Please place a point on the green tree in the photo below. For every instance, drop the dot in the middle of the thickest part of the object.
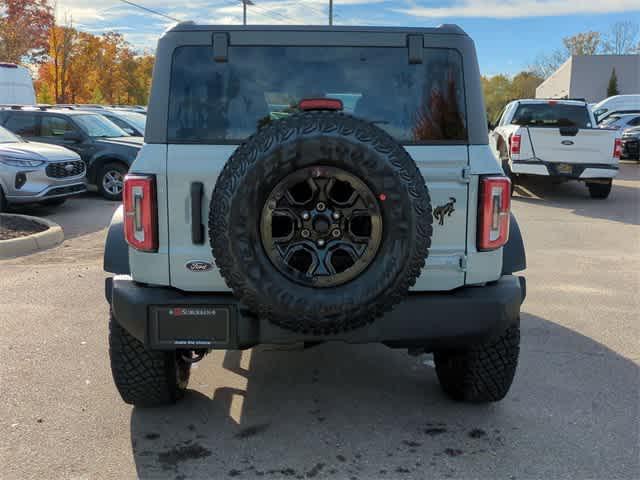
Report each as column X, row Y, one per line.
column 500, row 90
column 612, row 88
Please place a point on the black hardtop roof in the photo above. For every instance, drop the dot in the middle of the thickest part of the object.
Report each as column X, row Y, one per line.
column 190, row 26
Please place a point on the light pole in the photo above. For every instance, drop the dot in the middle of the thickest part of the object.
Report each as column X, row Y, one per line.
column 244, row 10
column 330, row 12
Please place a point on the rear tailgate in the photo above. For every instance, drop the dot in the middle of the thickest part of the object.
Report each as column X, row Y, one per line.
column 571, row 145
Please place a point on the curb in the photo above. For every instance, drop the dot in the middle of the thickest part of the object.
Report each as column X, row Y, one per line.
column 17, row 247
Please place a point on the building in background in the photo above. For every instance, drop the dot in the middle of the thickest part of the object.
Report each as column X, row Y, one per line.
column 587, row 76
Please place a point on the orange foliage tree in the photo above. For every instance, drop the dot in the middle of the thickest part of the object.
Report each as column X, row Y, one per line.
column 24, row 28
column 86, row 68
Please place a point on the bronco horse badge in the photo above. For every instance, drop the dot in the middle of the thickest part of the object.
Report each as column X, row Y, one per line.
column 444, row 210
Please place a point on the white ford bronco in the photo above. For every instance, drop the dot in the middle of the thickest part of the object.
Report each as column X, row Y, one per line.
column 314, row 184
column 557, row 139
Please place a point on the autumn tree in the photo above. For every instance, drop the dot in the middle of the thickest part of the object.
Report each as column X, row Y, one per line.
column 24, row 30
column 500, row 90
column 87, row 68
column 587, row 43
column 622, row 38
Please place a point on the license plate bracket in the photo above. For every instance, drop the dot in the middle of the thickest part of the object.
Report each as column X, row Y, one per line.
column 193, row 326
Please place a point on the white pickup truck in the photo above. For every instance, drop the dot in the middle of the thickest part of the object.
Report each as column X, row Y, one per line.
column 559, row 139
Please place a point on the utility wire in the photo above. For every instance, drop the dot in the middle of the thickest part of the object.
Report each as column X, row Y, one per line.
column 313, row 9
column 150, row 10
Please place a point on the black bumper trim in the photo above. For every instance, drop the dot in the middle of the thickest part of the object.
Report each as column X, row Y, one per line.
column 434, row 320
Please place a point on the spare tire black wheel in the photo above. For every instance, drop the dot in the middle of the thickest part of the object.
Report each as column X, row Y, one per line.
column 320, row 222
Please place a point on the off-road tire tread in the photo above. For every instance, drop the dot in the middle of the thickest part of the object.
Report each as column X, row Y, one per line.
column 143, row 377
column 359, row 313
column 483, row 373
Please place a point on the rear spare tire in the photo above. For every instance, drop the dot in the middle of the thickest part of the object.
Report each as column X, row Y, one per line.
column 320, row 222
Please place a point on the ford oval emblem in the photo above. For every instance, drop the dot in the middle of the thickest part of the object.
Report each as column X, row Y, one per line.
column 199, row 266
column 567, row 142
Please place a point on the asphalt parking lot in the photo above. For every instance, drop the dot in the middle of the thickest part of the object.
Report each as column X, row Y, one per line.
column 337, row 411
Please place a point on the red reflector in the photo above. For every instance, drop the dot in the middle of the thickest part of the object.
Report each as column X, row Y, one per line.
column 494, row 206
column 617, row 148
column 553, row 102
column 514, row 144
column 320, row 104
column 140, row 215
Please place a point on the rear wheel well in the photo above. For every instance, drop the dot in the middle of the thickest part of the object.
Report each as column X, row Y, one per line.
column 96, row 167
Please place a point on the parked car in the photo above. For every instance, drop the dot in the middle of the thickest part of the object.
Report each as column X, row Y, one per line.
column 616, row 104
column 33, row 172
column 631, row 144
column 106, row 149
column 16, row 85
column 130, row 121
column 557, row 139
column 621, row 121
column 321, row 220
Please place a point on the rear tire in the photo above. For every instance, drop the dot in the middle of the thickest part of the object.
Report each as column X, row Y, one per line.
column 3, row 201
column 145, row 378
column 484, row 373
column 600, row 190
column 111, row 180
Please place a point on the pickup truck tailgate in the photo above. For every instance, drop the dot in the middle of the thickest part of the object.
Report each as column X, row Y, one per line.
column 583, row 146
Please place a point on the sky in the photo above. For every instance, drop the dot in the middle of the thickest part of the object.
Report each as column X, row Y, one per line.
column 509, row 34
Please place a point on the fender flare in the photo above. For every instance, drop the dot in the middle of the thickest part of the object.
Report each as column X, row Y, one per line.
column 116, row 249
column 513, row 256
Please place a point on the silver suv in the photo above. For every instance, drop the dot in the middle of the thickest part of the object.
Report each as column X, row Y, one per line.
column 312, row 184
column 33, row 172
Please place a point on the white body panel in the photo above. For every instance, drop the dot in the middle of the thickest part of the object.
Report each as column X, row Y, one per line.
column 452, row 262
column 16, row 86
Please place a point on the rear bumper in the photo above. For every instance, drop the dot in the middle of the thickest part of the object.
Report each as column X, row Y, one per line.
column 555, row 169
column 433, row 320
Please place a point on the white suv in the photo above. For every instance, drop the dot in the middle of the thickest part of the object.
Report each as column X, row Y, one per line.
column 312, row 184
column 33, row 172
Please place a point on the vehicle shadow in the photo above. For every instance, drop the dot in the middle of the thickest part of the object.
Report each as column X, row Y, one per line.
column 623, row 204
column 367, row 412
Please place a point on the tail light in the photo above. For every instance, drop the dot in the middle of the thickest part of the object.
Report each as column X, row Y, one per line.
column 493, row 214
column 140, row 212
column 617, row 148
column 514, row 144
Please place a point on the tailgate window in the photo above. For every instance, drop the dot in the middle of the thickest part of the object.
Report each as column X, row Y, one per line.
column 552, row 115
column 226, row 102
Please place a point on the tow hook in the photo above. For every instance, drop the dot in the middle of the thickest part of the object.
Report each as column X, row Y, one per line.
column 193, row 356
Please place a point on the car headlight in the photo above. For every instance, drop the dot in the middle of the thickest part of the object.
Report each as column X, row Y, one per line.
column 20, row 162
